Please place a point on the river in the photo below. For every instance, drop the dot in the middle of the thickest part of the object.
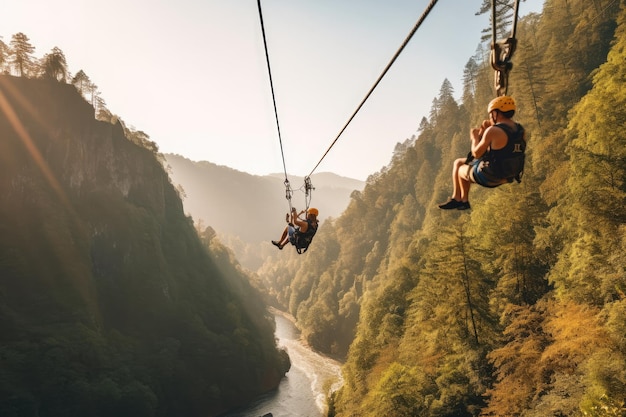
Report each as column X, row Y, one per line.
column 302, row 392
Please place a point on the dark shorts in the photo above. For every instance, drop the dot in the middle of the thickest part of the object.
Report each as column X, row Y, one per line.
column 292, row 232
column 483, row 178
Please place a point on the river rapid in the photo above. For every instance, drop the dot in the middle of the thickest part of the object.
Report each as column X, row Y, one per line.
column 302, row 392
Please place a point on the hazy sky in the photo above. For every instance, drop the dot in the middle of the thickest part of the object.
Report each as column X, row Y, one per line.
column 192, row 73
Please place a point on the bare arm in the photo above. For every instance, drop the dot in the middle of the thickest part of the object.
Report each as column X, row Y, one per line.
column 296, row 220
column 481, row 139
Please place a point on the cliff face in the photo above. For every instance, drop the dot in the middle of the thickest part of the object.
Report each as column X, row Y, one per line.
column 109, row 302
column 49, row 125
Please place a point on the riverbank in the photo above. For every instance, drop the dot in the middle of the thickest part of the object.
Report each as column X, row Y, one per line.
column 303, row 391
column 323, row 370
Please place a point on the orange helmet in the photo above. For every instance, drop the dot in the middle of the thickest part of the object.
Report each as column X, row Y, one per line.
column 502, row 103
column 314, row 211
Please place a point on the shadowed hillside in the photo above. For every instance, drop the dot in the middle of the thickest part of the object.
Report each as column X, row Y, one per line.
column 110, row 303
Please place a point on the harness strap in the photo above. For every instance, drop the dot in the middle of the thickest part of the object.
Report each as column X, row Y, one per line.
column 515, row 138
column 305, row 237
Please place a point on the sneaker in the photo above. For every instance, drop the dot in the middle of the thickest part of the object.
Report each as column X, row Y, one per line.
column 277, row 244
column 464, row 205
column 450, row 204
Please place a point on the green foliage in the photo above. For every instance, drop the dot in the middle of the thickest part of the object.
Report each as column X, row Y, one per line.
column 396, row 394
column 110, row 302
column 517, row 307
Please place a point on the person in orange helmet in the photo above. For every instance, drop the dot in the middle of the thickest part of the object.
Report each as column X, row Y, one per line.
column 299, row 232
column 497, row 154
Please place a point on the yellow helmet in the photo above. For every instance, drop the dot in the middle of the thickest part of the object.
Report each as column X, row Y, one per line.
column 314, row 211
column 502, row 103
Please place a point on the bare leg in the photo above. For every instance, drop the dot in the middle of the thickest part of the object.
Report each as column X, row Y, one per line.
column 457, row 180
column 464, row 182
column 460, row 186
column 283, row 239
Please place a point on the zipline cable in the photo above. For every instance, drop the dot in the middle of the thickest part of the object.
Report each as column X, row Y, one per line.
column 406, row 41
column 288, row 190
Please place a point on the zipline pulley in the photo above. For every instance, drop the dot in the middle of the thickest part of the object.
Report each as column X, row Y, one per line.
column 308, row 188
column 502, row 52
column 501, row 55
column 288, row 192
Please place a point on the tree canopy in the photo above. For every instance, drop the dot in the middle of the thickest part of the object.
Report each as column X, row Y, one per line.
column 510, row 309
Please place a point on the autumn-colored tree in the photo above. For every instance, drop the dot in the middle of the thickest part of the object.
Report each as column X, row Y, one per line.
column 518, row 376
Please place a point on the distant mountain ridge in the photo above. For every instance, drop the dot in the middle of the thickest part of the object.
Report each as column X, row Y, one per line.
column 253, row 207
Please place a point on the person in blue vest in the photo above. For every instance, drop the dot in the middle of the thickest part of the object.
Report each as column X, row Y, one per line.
column 299, row 232
column 497, row 154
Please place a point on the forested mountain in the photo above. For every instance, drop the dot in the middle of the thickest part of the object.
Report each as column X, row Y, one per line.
column 111, row 304
column 517, row 307
column 247, row 211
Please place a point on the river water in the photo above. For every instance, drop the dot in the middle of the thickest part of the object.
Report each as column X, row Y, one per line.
column 302, row 392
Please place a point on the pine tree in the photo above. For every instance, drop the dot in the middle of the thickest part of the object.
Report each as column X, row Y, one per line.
column 4, row 55
column 21, row 53
column 596, row 187
column 55, row 65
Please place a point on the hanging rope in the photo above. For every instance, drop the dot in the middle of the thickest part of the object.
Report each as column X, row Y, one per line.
column 288, row 190
column 406, row 41
column 502, row 52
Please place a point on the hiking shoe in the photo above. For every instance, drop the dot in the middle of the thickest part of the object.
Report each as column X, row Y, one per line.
column 464, row 205
column 450, row 204
column 277, row 244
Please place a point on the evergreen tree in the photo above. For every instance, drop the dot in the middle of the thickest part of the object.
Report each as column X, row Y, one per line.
column 4, row 55
column 516, row 363
column 82, row 82
column 21, row 53
column 55, row 66
column 596, row 187
column 483, row 312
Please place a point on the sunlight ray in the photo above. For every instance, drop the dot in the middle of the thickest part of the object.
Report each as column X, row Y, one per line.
column 29, row 144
